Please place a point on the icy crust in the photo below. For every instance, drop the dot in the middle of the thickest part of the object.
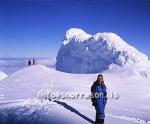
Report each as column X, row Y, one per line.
column 81, row 52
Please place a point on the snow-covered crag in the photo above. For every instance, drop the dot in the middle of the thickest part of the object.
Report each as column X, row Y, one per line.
column 81, row 52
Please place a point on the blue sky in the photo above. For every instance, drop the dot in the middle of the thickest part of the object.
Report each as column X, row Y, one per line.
column 35, row 28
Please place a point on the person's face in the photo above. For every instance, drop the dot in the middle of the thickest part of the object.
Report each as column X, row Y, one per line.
column 100, row 79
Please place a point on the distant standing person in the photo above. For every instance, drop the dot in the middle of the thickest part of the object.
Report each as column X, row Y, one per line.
column 29, row 63
column 33, row 61
column 99, row 98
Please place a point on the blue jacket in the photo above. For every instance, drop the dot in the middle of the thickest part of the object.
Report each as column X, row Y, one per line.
column 100, row 101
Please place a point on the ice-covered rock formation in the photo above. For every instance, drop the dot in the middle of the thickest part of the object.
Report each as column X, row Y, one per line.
column 81, row 52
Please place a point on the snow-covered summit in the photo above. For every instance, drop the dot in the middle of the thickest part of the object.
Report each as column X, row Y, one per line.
column 76, row 35
column 81, row 52
column 2, row 75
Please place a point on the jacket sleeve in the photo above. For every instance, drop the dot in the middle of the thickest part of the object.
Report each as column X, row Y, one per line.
column 93, row 91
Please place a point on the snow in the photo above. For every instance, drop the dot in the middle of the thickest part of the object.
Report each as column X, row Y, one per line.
column 37, row 112
column 2, row 75
column 20, row 101
column 33, row 111
column 25, row 79
column 138, row 70
column 76, row 35
column 81, row 52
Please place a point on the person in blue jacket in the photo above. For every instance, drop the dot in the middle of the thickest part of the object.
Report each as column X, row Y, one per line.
column 99, row 98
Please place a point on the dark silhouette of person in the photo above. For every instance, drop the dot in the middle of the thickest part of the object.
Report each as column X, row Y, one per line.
column 29, row 63
column 99, row 98
column 33, row 61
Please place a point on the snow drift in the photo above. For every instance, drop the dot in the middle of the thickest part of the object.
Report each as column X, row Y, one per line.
column 81, row 52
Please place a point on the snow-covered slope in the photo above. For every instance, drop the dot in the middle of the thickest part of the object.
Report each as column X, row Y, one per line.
column 84, row 53
column 18, row 83
column 132, row 106
column 2, row 75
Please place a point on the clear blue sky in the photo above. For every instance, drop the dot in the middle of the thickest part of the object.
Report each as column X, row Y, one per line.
column 35, row 28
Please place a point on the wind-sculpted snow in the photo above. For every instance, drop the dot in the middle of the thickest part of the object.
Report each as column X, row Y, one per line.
column 81, row 52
